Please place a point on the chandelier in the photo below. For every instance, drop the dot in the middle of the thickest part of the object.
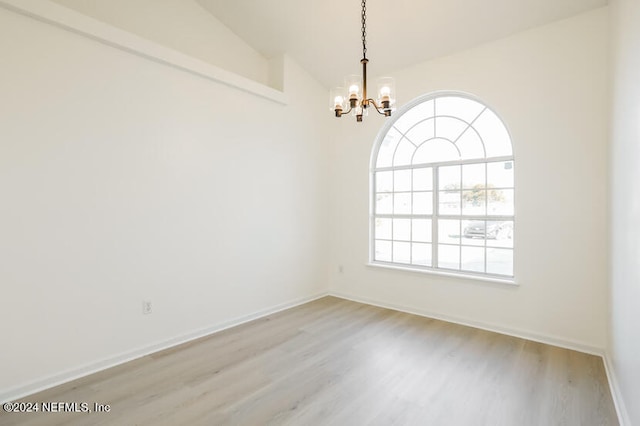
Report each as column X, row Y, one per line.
column 355, row 97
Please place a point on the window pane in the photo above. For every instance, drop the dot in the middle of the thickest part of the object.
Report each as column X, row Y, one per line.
column 383, row 229
column 414, row 115
column 404, row 153
column 402, row 203
column 421, row 254
column 401, row 252
column 421, row 132
column 466, row 109
column 402, row 229
column 500, row 261
column 435, row 150
column 448, row 257
column 422, row 202
column 383, row 251
column 473, row 202
column 449, row 202
column 473, row 259
column 494, row 134
column 384, row 181
column 500, row 175
column 449, row 231
column 423, row 179
column 402, row 180
column 473, row 176
column 501, row 235
column 473, row 232
column 470, row 145
column 384, row 203
column 421, row 230
column 500, row 202
column 450, row 128
column 449, row 177
column 387, row 148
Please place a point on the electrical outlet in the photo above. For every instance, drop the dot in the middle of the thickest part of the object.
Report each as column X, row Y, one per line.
column 146, row 307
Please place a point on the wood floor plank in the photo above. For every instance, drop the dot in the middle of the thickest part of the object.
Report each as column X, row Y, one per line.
column 337, row 362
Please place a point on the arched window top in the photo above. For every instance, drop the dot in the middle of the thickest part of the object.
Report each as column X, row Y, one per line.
column 441, row 128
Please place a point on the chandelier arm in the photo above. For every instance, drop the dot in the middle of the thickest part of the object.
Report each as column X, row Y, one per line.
column 375, row 105
column 346, row 112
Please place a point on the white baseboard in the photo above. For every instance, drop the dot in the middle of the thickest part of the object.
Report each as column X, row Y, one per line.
column 496, row 328
column 21, row 391
column 618, row 401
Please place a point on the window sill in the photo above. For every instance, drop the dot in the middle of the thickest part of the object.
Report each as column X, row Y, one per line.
column 507, row 281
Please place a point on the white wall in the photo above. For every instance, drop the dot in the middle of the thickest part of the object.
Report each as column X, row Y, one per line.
column 624, row 349
column 183, row 25
column 122, row 179
column 550, row 86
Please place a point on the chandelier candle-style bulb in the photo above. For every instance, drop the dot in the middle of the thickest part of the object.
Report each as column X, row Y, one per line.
column 358, row 112
column 386, row 94
column 336, row 101
column 354, row 84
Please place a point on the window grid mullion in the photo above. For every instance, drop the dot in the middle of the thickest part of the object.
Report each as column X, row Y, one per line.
column 486, row 212
column 393, row 210
column 460, row 220
column 434, row 221
column 374, row 209
column 411, row 221
column 447, row 163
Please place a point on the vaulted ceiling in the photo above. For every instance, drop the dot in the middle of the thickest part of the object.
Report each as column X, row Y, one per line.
column 324, row 35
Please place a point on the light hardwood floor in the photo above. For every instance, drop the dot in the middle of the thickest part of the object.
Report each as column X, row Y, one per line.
column 337, row 362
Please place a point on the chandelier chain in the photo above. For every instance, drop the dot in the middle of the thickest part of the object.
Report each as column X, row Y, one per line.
column 364, row 29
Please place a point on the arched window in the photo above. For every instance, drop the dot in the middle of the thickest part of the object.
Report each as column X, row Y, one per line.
column 442, row 179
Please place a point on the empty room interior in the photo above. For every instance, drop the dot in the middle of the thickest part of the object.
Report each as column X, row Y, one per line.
column 306, row 213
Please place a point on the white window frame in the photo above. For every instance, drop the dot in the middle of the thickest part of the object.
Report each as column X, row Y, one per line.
column 435, row 216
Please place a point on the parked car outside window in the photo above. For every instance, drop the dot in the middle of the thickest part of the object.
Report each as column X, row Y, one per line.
column 493, row 230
